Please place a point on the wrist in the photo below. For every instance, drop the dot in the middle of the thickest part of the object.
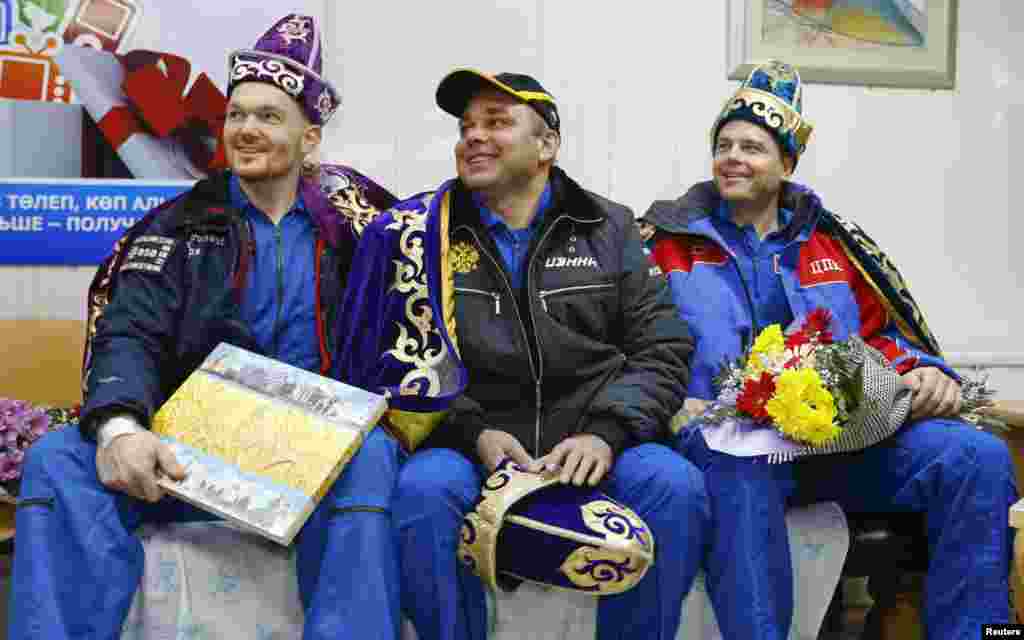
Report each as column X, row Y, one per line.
column 116, row 427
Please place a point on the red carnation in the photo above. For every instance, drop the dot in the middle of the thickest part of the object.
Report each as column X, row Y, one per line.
column 818, row 325
column 797, row 339
column 755, row 394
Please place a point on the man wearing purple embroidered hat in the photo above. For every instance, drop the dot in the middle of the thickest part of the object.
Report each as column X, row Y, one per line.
column 257, row 257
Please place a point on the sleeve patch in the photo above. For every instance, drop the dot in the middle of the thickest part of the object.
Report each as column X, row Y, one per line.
column 148, row 253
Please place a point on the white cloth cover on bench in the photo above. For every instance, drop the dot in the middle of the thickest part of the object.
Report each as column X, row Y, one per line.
column 210, row 581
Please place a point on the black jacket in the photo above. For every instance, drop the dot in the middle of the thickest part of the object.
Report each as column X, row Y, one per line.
column 594, row 345
column 179, row 280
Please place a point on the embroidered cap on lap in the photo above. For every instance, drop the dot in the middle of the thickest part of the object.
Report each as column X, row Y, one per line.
column 531, row 527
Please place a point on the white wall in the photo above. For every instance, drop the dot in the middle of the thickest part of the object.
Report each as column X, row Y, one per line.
column 928, row 174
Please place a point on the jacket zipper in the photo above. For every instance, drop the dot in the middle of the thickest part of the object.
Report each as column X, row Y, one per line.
column 536, row 334
column 544, row 295
column 522, row 327
column 481, row 292
column 755, row 325
column 280, row 287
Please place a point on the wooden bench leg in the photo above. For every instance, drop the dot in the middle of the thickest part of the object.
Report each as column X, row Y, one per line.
column 897, row 611
column 1017, row 576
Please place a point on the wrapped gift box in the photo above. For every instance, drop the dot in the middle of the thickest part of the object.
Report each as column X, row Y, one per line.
column 29, row 74
column 102, row 24
column 139, row 101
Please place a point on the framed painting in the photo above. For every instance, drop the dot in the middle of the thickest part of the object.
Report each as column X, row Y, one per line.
column 889, row 43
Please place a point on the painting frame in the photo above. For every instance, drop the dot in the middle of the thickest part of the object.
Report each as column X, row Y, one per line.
column 929, row 67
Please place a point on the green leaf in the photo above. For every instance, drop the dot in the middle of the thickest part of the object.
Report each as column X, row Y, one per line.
column 31, row 14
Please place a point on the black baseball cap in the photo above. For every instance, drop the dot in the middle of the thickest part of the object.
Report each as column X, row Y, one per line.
column 456, row 89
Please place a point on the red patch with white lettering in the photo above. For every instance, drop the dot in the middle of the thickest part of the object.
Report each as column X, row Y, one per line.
column 707, row 252
column 681, row 253
column 822, row 261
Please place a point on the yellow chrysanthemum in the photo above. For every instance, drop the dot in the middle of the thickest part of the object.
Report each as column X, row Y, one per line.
column 768, row 347
column 802, row 408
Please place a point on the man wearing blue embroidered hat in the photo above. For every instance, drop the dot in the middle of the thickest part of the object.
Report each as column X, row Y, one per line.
column 752, row 248
column 575, row 359
column 258, row 257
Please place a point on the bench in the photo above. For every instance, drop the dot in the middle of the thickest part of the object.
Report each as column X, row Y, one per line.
column 42, row 364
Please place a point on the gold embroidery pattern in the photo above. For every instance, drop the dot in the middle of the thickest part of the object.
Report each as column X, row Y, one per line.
column 464, row 257
column 419, row 341
column 348, row 199
column 602, row 570
column 610, row 563
column 774, row 111
column 616, row 523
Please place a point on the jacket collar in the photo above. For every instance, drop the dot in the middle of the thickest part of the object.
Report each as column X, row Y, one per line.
column 208, row 206
column 691, row 213
column 567, row 197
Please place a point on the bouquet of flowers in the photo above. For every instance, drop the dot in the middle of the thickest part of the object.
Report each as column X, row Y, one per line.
column 21, row 424
column 819, row 394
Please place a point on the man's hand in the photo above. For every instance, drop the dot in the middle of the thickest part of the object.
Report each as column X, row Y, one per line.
column 694, row 407
column 935, row 393
column 493, row 446
column 131, row 464
column 583, row 458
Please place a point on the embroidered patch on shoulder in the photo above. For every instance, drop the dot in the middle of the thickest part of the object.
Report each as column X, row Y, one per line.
column 148, row 253
column 463, row 257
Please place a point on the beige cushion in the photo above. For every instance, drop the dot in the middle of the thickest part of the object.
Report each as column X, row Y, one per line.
column 41, row 360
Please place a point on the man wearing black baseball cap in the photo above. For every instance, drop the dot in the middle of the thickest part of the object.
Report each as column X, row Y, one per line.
column 455, row 91
column 572, row 358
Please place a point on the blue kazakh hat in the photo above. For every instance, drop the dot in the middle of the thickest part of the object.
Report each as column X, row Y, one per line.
column 772, row 97
column 531, row 527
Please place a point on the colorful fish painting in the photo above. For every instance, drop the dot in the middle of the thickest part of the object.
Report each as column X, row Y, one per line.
column 846, row 23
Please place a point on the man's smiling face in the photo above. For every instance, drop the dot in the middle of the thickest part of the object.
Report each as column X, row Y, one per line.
column 748, row 165
column 501, row 142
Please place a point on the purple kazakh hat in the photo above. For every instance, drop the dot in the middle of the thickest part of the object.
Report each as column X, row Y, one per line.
column 288, row 56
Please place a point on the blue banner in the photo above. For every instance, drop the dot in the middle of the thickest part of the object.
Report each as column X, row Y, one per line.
column 73, row 222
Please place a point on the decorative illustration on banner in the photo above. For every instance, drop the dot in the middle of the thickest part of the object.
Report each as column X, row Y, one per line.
column 44, row 16
column 139, row 100
column 32, row 74
column 6, row 20
column 120, row 112
column 102, row 24
column 28, row 44
column 161, row 125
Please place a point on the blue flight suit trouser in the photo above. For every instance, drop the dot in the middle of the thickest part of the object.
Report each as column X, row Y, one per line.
column 78, row 563
column 445, row 601
column 961, row 478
